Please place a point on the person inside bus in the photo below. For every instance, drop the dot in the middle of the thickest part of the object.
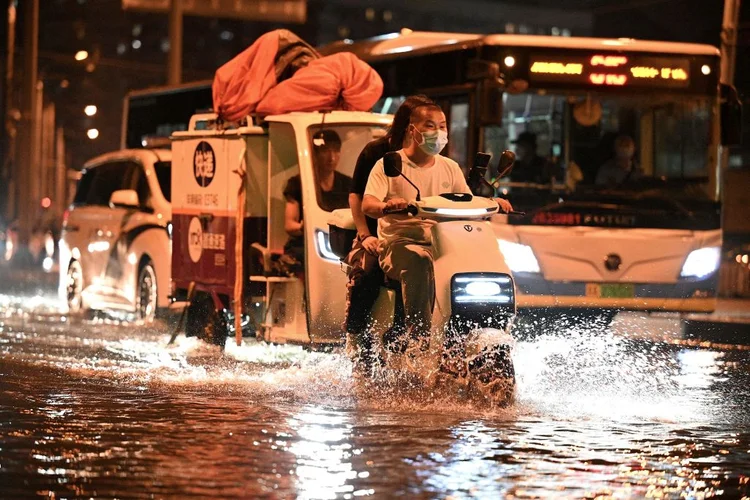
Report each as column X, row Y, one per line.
column 622, row 167
column 404, row 244
column 332, row 192
column 365, row 274
column 530, row 166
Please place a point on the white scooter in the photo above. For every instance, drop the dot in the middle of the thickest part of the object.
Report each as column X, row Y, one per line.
column 475, row 294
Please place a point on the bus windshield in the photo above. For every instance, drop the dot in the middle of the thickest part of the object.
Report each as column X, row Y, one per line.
column 582, row 154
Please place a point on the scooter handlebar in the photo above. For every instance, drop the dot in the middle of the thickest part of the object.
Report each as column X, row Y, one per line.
column 409, row 210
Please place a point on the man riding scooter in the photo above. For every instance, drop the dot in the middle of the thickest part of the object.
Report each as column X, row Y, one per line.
column 404, row 245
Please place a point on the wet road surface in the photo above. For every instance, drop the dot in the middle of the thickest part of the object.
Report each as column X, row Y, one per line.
column 106, row 410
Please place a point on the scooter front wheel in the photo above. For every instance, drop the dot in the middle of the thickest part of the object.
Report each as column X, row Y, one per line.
column 491, row 375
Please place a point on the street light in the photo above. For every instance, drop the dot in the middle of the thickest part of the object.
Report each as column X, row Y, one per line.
column 81, row 55
column 90, row 110
column 92, row 133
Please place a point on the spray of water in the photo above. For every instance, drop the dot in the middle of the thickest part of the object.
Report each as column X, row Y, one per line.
column 569, row 373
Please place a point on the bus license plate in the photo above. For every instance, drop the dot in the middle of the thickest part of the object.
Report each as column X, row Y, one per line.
column 610, row 290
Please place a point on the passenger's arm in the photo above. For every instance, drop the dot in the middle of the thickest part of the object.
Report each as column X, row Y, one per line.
column 292, row 222
column 355, row 204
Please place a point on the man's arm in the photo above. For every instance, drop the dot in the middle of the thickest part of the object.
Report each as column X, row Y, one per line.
column 375, row 192
column 372, row 207
column 292, row 221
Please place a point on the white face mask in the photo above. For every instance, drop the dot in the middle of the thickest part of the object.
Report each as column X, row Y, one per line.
column 432, row 142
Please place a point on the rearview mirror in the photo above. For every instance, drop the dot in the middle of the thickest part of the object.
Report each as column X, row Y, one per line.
column 392, row 164
column 392, row 167
column 124, row 198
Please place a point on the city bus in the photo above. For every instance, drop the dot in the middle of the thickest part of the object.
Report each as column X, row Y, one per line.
column 652, row 241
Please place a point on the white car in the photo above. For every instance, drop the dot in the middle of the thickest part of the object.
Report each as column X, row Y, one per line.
column 115, row 248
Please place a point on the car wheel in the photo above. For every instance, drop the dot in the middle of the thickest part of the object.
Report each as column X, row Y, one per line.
column 75, row 289
column 146, row 294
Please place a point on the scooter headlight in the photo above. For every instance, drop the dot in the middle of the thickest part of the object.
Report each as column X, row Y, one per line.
column 323, row 245
column 496, row 289
column 701, row 263
column 520, row 258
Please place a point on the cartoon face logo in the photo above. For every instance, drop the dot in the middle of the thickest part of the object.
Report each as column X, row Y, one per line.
column 195, row 239
column 204, row 164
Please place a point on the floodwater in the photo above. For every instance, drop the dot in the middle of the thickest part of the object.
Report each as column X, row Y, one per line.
column 107, row 410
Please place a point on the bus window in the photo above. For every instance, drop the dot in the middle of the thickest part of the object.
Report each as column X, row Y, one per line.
column 458, row 133
column 683, row 133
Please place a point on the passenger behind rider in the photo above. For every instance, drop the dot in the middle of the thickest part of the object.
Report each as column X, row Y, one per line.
column 530, row 166
column 621, row 168
column 332, row 192
column 365, row 275
column 404, row 244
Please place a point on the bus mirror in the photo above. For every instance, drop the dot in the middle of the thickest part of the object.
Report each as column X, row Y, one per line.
column 490, row 105
column 731, row 116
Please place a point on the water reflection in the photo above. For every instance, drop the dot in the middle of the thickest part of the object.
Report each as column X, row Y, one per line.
column 323, row 454
column 104, row 409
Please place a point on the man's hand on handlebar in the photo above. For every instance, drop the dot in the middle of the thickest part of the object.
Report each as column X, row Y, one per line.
column 505, row 205
column 395, row 204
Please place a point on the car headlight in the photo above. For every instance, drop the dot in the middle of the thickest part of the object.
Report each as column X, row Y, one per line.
column 482, row 289
column 701, row 263
column 323, row 245
column 520, row 258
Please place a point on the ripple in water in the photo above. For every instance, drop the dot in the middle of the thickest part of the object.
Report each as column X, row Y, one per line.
column 104, row 409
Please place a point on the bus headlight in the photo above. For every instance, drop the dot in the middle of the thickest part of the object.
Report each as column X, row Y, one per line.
column 323, row 245
column 520, row 258
column 701, row 263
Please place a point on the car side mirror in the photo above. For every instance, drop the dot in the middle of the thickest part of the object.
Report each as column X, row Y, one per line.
column 124, row 198
column 731, row 116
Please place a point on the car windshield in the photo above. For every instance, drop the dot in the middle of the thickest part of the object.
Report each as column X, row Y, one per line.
column 583, row 150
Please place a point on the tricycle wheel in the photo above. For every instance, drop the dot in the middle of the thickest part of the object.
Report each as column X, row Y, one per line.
column 205, row 322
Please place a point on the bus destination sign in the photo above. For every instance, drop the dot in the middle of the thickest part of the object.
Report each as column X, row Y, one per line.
column 612, row 70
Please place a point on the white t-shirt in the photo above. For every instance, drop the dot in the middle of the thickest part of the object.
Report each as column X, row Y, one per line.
column 443, row 176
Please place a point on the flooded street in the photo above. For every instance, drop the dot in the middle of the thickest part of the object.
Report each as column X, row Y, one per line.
column 108, row 410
